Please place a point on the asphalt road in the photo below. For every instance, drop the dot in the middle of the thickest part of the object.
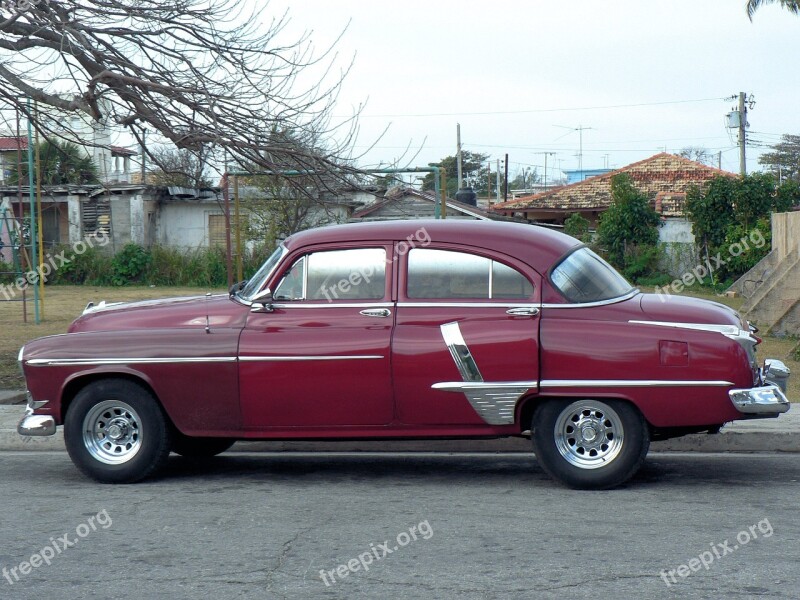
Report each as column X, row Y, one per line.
column 484, row 526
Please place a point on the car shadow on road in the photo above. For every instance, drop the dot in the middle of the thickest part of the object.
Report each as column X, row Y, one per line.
column 406, row 469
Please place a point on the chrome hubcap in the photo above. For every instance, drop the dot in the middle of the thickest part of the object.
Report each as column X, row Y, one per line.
column 112, row 432
column 588, row 434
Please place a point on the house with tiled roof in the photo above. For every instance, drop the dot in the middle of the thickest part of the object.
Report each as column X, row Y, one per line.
column 664, row 178
column 404, row 202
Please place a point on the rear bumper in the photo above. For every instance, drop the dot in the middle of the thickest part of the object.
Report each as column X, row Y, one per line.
column 765, row 400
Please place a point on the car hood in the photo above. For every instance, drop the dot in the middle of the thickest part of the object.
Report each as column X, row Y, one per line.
column 188, row 312
column 681, row 309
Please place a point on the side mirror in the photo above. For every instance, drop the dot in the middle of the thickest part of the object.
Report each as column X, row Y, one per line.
column 262, row 302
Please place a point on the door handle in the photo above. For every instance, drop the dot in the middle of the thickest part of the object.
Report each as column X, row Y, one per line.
column 523, row 311
column 376, row 312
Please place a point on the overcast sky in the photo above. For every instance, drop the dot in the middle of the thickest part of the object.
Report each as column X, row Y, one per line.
column 520, row 76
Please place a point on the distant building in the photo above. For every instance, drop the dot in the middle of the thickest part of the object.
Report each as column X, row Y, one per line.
column 576, row 175
column 663, row 178
column 403, row 202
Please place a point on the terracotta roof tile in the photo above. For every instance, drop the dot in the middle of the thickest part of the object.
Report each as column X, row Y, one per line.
column 12, row 143
column 664, row 175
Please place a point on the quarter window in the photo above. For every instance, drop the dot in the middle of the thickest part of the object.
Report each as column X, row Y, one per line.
column 357, row 274
column 449, row 274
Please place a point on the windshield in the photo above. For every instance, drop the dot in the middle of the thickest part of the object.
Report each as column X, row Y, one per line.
column 257, row 281
column 585, row 277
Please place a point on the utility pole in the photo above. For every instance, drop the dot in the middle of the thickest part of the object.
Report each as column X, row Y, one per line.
column 544, row 178
column 144, row 157
column 460, row 183
column 498, row 180
column 742, row 134
column 505, row 186
column 489, row 183
column 719, row 160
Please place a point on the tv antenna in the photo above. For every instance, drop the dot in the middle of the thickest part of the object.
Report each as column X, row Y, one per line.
column 579, row 129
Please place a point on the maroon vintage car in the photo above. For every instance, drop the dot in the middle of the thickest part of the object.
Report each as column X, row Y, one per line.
column 407, row 329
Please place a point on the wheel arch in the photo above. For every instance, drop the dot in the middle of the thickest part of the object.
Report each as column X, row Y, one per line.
column 527, row 407
column 77, row 383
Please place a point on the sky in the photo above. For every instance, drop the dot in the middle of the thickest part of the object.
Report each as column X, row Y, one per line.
column 521, row 77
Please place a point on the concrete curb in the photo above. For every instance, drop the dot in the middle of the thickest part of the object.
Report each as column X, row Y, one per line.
column 12, row 397
column 768, row 435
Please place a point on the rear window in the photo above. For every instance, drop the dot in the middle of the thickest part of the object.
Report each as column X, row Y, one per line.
column 585, row 277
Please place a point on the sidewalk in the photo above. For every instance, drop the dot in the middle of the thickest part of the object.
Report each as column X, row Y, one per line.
column 763, row 435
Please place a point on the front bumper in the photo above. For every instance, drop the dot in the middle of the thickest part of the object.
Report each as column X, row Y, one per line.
column 33, row 425
column 767, row 398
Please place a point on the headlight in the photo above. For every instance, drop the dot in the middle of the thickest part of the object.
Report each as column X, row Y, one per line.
column 19, row 360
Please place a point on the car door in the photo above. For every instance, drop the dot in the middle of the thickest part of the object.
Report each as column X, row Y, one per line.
column 321, row 357
column 465, row 346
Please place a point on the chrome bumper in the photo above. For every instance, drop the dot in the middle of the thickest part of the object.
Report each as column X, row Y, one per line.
column 765, row 400
column 768, row 397
column 33, row 425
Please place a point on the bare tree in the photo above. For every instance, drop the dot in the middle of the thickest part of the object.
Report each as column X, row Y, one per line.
column 197, row 72
column 697, row 154
column 180, row 167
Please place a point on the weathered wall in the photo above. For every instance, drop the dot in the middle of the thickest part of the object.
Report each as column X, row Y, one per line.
column 677, row 243
column 785, row 233
column 185, row 224
column 773, row 296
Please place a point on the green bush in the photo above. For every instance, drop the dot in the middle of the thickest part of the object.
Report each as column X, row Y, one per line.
column 6, row 272
column 159, row 265
column 130, row 265
column 578, row 227
column 92, row 267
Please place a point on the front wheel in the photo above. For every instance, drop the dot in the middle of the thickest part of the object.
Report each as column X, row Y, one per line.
column 116, row 432
column 589, row 444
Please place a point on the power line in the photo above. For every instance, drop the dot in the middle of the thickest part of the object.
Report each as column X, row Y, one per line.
column 540, row 110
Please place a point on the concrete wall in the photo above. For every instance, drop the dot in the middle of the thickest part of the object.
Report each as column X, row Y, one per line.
column 677, row 241
column 185, row 224
column 773, row 293
column 785, row 233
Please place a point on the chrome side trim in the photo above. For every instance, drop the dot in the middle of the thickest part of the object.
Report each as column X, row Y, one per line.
column 302, row 304
column 729, row 330
column 466, row 305
column 451, row 332
column 628, row 296
column 610, row 383
column 494, row 401
column 305, row 358
column 464, row 386
column 84, row 362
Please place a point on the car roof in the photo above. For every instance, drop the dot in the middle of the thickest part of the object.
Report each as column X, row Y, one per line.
column 537, row 246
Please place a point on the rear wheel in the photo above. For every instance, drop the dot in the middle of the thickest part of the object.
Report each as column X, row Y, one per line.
column 116, row 432
column 199, row 447
column 589, row 444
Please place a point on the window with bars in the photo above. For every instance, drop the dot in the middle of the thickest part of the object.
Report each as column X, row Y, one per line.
column 96, row 217
column 216, row 230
